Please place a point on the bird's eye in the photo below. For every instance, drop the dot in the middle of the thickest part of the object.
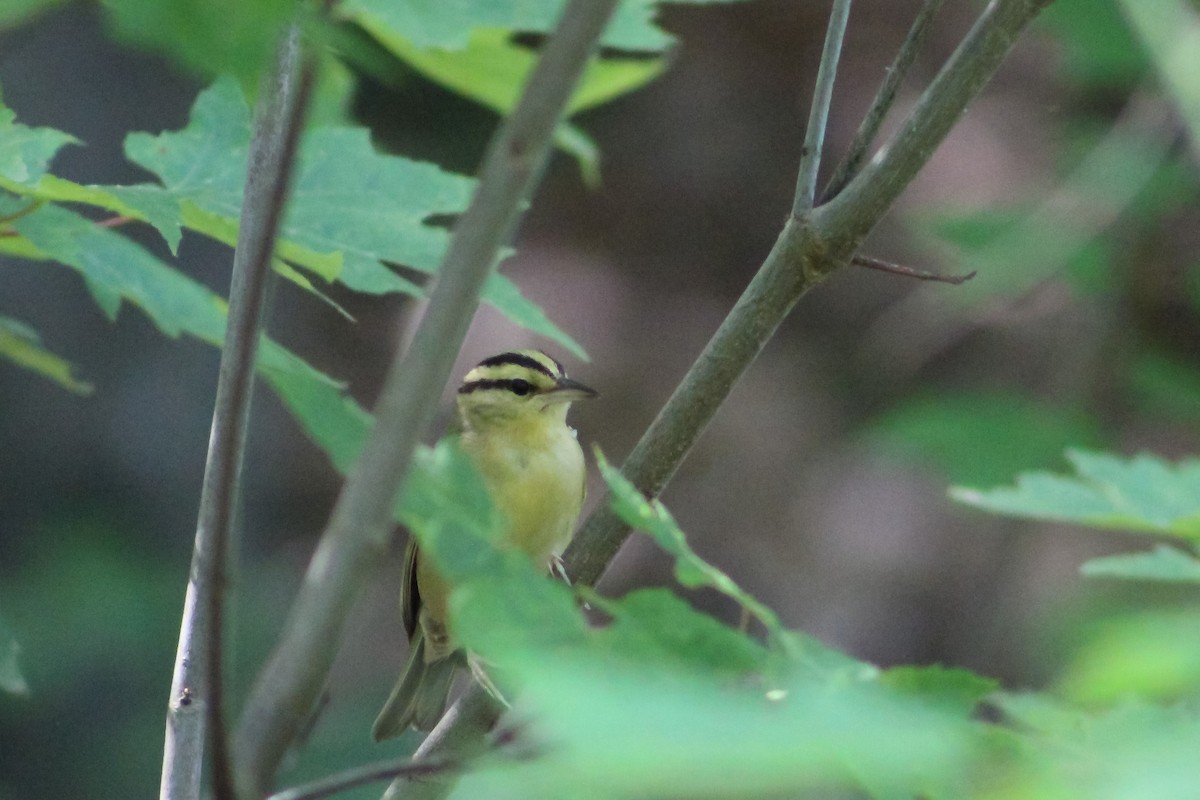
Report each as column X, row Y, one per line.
column 520, row 387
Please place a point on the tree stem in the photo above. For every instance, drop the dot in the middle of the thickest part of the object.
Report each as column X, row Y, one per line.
column 194, row 714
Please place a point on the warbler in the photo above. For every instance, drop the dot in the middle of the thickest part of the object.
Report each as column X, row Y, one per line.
column 512, row 423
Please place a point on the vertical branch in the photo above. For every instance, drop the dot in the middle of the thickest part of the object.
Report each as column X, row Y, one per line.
column 195, row 706
column 361, row 522
column 818, row 115
column 884, row 98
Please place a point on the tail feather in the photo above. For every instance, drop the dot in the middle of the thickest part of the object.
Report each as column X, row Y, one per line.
column 420, row 695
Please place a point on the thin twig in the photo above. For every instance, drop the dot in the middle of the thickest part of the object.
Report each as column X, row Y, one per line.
column 195, row 705
column 884, row 98
column 818, row 114
column 909, row 272
column 115, row 222
column 369, row 773
column 361, row 522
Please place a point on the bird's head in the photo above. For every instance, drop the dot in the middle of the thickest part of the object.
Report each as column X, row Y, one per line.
column 522, row 385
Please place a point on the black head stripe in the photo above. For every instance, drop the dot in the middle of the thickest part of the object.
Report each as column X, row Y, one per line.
column 517, row 386
column 520, row 360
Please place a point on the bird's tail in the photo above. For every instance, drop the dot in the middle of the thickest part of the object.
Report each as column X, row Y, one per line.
column 420, row 696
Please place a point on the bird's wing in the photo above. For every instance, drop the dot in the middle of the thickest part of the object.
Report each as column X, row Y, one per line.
column 410, row 595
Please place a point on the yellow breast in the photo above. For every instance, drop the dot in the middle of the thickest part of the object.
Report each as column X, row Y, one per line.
column 535, row 475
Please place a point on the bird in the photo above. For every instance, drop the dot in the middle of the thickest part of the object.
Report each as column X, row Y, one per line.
column 511, row 422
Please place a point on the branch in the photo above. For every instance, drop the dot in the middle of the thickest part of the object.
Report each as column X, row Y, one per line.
column 195, row 707
column 369, row 773
column 884, row 98
column 818, row 114
column 858, row 207
column 361, row 522
column 908, row 272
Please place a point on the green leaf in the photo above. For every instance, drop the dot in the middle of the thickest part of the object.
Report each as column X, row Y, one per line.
column 207, row 37
column 656, row 629
column 1163, row 563
column 502, row 607
column 1131, row 750
column 1142, row 494
column 506, row 296
column 491, row 70
column 332, row 420
column 1170, row 35
column 449, row 25
column 982, row 437
column 25, row 152
column 653, row 518
column 20, row 344
column 18, row 12
column 351, row 208
column 603, row 731
column 1013, row 250
column 11, row 679
column 1165, row 385
column 1098, row 50
column 1151, row 655
column 957, row 690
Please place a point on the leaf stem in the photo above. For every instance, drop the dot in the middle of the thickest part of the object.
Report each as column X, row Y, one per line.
column 884, row 98
column 818, row 114
column 360, row 526
column 195, row 705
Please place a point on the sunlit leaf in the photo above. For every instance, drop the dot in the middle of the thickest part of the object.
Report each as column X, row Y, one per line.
column 603, row 731
column 20, row 344
column 1163, row 563
column 1152, row 655
column 1143, row 494
column 1131, row 750
column 448, row 25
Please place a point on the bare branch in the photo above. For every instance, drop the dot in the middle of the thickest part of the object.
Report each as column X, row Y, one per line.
column 195, row 706
column 884, row 98
column 818, row 115
column 369, row 773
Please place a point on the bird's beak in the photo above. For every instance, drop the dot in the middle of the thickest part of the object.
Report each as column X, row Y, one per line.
column 568, row 391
